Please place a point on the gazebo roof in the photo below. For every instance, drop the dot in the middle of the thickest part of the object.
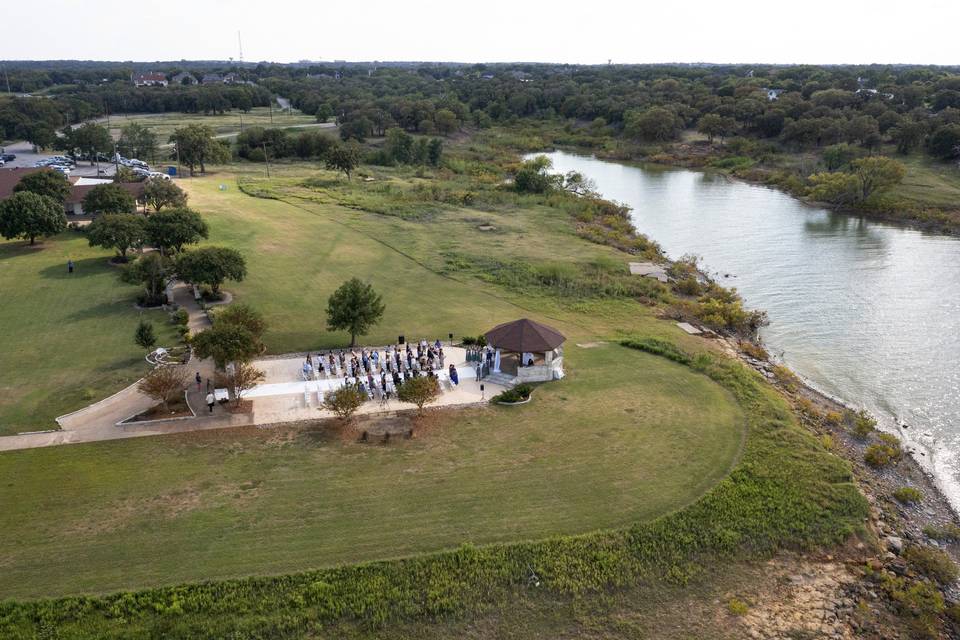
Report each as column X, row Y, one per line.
column 524, row 335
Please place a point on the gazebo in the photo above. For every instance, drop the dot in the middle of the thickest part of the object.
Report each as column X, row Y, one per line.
column 527, row 350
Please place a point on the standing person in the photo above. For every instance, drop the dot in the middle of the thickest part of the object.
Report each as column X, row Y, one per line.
column 69, row 266
column 479, row 371
column 211, row 400
column 199, row 380
column 454, row 377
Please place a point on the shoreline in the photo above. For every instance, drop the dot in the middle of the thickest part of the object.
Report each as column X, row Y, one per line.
column 891, row 518
column 916, row 467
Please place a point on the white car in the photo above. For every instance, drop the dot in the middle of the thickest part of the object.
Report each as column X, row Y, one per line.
column 159, row 175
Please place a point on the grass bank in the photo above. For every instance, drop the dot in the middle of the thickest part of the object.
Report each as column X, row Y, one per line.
column 785, row 491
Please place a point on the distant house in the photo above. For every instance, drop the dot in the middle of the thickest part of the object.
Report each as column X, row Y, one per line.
column 212, row 78
column 522, row 76
column 149, row 79
column 231, row 78
column 772, row 94
column 184, row 78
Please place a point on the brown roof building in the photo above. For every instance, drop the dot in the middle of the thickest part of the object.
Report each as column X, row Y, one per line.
column 74, row 203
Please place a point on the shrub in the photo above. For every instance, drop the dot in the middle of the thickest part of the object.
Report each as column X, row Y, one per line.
column 881, row 455
column 787, row 378
column 180, row 317
column 833, row 418
column 947, row 533
column 518, row 393
column 863, row 424
column 828, row 442
column 753, row 350
column 920, row 603
column 908, row 495
column 933, row 563
column 688, row 287
column 737, row 607
column 343, row 402
column 658, row 347
column 419, row 391
column 144, row 335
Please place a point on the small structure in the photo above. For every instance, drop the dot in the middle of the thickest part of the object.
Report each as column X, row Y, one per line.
column 649, row 270
column 526, row 351
column 149, row 79
column 212, row 78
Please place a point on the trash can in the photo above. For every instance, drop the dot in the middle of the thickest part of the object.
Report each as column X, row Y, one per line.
column 172, row 172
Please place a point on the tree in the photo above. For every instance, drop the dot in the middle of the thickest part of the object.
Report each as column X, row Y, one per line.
column 877, row 173
column 399, row 145
column 343, row 157
column 120, row 231
column 434, row 151
column 150, row 271
column 838, row 156
column 908, row 135
column 225, row 343
column 47, row 182
column 324, row 111
column 90, row 140
column 144, row 335
column 245, row 377
column 419, row 391
column 714, row 125
column 944, row 143
column 354, row 307
column 160, row 193
column 343, row 402
column 446, row 121
column 211, row 266
column 534, row 176
column 195, row 145
column 655, row 124
column 169, row 231
column 838, row 188
column 137, row 141
column 163, row 384
column 31, row 216
column 245, row 316
column 108, row 198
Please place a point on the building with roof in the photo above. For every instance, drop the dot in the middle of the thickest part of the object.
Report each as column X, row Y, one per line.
column 79, row 188
column 525, row 351
column 149, row 79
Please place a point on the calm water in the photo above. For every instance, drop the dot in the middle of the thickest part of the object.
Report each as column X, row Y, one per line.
column 866, row 311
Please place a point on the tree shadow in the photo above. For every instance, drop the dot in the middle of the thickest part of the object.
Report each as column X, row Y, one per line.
column 99, row 311
column 81, row 269
column 16, row 249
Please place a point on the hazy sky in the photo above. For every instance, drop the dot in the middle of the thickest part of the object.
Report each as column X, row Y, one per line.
column 809, row 31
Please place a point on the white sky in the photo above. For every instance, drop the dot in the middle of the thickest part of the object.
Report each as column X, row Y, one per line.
column 800, row 31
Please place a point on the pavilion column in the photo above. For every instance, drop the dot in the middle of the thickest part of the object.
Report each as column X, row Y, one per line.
column 496, row 362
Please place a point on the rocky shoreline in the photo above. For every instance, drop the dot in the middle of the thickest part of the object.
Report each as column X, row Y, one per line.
column 894, row 524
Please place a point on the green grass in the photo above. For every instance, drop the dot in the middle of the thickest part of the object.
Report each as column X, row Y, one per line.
column 225, row 124
column 66, row 341
column 786, row 491
column 611, row 445
column 929, row 183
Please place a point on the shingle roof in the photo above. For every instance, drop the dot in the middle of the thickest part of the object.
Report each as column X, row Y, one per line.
column 524, row 335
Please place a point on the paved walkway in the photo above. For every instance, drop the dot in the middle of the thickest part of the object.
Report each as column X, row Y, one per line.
column 99, row 420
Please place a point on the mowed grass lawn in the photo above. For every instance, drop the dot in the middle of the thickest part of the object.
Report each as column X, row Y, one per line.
column 65, row 341
column 224, row 124
column 627, row 436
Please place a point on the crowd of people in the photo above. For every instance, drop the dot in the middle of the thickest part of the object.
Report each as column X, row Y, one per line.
column 378, row 374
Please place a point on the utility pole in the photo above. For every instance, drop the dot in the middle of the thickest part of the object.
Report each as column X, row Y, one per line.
column 266, row 158
column 7, row 78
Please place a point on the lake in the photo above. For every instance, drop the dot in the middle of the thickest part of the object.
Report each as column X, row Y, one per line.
column 863, row 310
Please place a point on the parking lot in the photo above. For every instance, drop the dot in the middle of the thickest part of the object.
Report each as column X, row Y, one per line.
column 27, row 158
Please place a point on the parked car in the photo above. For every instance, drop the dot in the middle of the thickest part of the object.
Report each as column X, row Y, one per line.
column 8, row 157
column 61, row 168
column 2, row 163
